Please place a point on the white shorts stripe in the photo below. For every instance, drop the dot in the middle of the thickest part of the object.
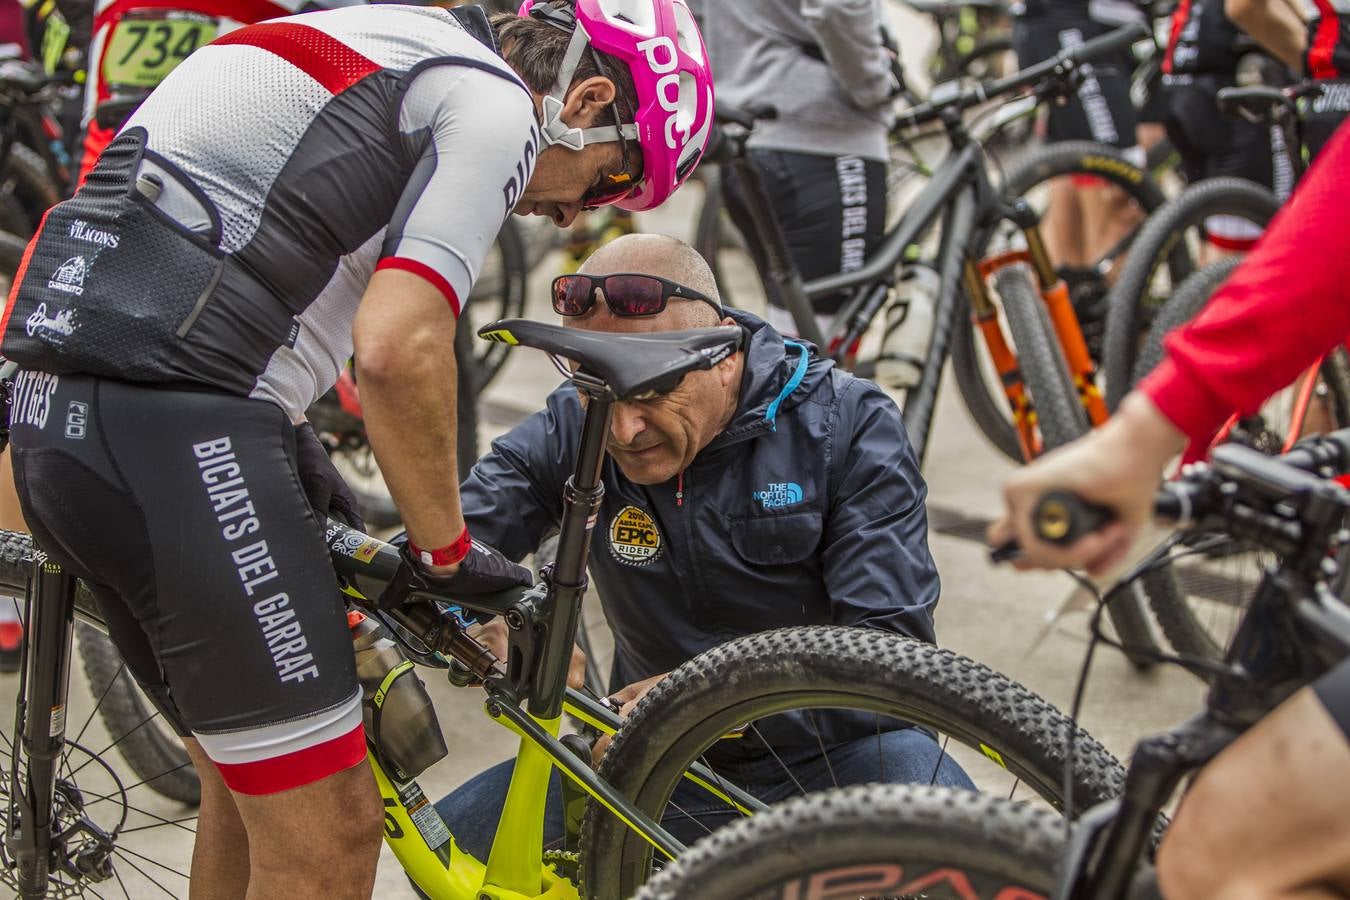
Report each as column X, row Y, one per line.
column 271, row 741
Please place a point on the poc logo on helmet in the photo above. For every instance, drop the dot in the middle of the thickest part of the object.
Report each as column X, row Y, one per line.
column 670, row 80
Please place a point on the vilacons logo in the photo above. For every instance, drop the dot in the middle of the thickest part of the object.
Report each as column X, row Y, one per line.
column 81, row 230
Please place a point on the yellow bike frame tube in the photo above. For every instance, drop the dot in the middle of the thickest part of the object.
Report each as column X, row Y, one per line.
column 523, row 724
column 582, row 708
column 445, row 874
column 518, row 848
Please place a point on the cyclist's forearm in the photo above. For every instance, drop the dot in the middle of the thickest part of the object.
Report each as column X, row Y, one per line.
column 406, row 372
column 1275, row 25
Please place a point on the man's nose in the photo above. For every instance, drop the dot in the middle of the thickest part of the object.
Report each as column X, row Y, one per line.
column 565, row 213
column 627, row 424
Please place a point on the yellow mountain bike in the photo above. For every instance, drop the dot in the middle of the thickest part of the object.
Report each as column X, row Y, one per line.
column 74, row 826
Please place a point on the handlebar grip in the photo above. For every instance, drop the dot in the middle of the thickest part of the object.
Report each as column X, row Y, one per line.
column 1061, row 517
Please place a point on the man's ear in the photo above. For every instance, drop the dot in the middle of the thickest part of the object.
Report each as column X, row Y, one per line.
column 586, row 100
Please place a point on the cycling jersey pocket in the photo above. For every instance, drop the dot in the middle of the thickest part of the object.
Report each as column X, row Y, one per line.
column 111, row 285
column 776, row 540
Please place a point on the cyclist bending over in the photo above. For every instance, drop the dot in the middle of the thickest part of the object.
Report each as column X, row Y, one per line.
column 297, row 189
column 1267, row 818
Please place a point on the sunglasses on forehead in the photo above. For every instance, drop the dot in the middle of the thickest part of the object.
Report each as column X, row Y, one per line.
column 626, row 294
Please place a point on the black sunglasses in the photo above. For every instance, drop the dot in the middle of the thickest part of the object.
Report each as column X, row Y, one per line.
column 626, row 294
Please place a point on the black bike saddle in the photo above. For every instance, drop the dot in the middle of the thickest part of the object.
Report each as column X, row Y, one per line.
column 632, row 365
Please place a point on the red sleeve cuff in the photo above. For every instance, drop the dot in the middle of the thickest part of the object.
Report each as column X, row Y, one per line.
column 425, row 272
column 1186, row 402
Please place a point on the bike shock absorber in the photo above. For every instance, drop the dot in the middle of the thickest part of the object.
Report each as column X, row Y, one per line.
column 1055, row 293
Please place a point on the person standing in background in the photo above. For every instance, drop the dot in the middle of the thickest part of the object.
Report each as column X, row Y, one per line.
column 824, row 67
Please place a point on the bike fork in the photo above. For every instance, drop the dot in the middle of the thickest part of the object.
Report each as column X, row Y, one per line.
column 985, row 316
column 40, row 724
column 1055, row 293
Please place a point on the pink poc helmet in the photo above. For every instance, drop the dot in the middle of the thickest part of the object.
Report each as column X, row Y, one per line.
column 660, row 43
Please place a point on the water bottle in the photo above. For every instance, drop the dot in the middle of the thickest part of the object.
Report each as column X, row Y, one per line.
column 397, row 712
column 909, row 327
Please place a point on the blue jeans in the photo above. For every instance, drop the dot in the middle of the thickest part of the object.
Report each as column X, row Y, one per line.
column 909, row 756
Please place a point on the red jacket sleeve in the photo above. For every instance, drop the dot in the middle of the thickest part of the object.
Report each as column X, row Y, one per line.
column 1286, row 305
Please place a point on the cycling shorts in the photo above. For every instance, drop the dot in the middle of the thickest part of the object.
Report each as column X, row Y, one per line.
column 184, row 512
column 1333, row 689
column 832, row 210
column 1212, row 145
column 1324, row 114
column 1101, row 111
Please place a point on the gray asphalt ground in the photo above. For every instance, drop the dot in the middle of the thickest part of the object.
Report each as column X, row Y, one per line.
column 1024, row 626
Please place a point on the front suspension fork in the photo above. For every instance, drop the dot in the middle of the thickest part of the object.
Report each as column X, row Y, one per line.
column 40, row 724
column 1055, row 293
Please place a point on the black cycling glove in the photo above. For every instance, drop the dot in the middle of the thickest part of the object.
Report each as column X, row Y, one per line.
column 483, row 571
column 327, row 493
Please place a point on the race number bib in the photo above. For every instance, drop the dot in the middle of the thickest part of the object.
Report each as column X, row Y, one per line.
column 146, row 45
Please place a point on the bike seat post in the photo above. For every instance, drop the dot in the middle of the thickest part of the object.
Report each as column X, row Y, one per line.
column 581, row 504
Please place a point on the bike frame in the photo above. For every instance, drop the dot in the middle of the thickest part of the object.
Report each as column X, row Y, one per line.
column 961, row 201
column 1294, row 631
column 542, row 623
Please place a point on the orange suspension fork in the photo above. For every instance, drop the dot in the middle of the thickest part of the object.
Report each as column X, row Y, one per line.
column 985, row 316
column 1055, row 293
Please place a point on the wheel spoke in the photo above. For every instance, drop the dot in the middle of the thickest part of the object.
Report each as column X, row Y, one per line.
column 99, row 702
column 722, row 785
column 784, row 765
column 946, row 738
column 121, row 852
column 162, row 823
column 824, row 754
column 180, row 766
column 119, row 740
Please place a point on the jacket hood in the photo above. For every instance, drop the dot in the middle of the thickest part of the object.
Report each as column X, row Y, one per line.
column 779, row 374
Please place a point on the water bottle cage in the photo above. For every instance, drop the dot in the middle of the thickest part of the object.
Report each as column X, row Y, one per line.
column 377, row 712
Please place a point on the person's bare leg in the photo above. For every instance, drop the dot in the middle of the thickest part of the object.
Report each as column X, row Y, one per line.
column 220, row 854
column 1108, row 215
column 1267, row 818
column 316, row 842
column 1062, row 224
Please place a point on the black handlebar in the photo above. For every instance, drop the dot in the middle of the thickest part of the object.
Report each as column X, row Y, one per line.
column 1062, row 62
column 1234, row 474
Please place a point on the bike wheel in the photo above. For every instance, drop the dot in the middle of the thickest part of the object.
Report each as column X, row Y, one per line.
column 26, row 181
column 1060, row 417
column 1147, row 279
column 1199, row 599
column 874, row 841
column 980, row 717
column 980, row 386
column 148, row 745
column 880, row 841
column 499, row 293
column 112, row 833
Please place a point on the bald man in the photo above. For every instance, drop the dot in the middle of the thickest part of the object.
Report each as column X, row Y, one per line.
column 772, row 490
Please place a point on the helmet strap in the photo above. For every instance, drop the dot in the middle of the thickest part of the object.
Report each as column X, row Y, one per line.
column 554, row 129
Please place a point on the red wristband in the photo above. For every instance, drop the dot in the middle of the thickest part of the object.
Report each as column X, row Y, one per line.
column 444, row 556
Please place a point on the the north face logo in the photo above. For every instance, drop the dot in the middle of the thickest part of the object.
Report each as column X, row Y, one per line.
column 779, row 494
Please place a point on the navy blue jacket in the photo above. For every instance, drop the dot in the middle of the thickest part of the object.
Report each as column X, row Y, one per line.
column 808, row 509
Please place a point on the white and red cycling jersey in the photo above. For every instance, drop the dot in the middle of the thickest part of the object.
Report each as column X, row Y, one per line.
column 348, row 140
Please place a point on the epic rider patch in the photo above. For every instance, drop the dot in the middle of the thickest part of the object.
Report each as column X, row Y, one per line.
column 633, row 537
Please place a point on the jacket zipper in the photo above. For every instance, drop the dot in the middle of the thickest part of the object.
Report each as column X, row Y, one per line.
column 679, row 490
